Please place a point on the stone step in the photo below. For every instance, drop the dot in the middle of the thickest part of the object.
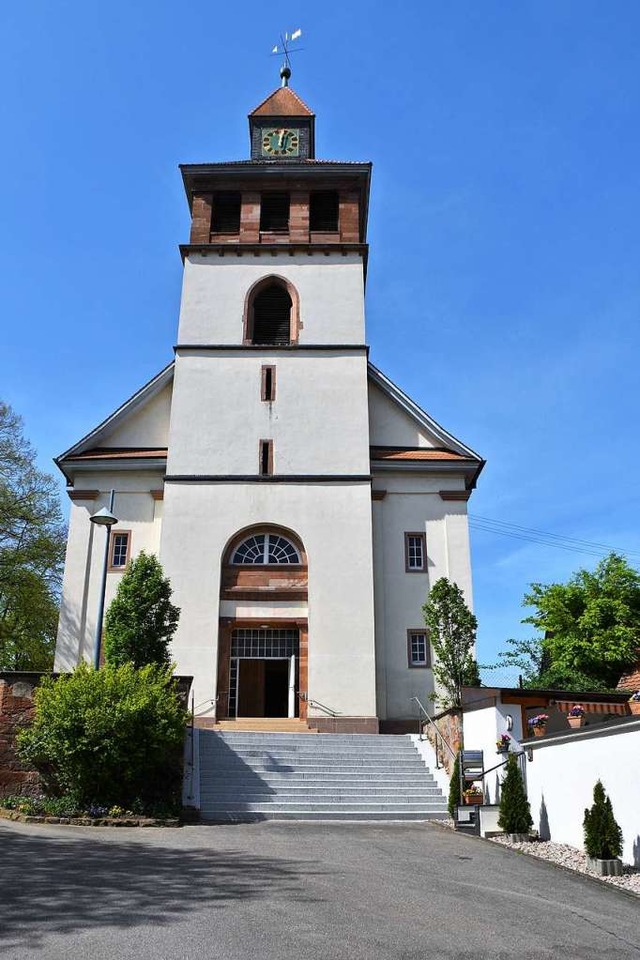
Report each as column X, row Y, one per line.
column 320, row 796
column 326, row 816
column 321, row 807
column 248, row 776
column 295, row 776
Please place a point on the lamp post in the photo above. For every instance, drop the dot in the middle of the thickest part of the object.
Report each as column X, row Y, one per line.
column 103, row 518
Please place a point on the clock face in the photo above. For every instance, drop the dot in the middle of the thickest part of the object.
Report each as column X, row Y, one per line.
column 282, row 142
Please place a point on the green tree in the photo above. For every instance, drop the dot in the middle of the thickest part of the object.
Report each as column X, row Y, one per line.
column 455, row 795
column 452, row 633
column 141, row 620
column 515, row 812
column 32, row 543
column 590, row 626
column 109, row 736
column 602, row 835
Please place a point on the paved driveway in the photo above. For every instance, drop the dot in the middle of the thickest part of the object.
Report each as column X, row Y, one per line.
column 294, row 891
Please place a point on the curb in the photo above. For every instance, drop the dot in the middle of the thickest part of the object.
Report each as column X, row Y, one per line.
column 6, row 814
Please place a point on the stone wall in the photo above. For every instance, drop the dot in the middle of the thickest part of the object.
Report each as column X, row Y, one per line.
column 16, row 711
column 449, row 724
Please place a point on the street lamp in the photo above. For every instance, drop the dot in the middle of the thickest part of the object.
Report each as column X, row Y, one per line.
column 103, row 518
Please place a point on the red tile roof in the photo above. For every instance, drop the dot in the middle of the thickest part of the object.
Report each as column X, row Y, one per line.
column 410, row 453
column 283, row 102
column 121, row 453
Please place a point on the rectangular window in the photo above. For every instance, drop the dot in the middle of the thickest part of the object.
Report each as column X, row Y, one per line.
column 119, row 552
column 415, row 552
column 418, row 651
column 268, row 383
column 323, row 211
column 266, row 458
column 274, row 213
column 225, row 213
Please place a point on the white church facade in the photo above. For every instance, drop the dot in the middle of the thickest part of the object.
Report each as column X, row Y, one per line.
column 299, row 501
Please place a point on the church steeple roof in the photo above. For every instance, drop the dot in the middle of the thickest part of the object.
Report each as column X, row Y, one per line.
column 283, row 102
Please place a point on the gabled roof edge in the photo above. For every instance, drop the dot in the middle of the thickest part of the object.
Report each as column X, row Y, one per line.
column 420, row 416
column 149, row 390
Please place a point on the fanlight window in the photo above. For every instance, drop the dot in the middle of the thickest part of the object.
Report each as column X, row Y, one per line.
column 266, row 548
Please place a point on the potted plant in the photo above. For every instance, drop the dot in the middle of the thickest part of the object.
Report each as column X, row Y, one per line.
column 538, row 724
column 602, row 836
column 472, row 794
column 576, row 716
column 634, row 703
column 515, row 812
column 502, row 745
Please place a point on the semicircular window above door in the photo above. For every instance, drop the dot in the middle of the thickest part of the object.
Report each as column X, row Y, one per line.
column 265, row 548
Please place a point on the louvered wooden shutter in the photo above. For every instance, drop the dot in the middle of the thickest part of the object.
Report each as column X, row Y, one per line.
column 272, row 316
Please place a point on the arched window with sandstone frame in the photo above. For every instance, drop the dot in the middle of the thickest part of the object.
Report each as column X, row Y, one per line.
column 272, row 314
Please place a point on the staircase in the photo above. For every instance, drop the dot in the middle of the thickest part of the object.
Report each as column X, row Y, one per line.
column 247, row 776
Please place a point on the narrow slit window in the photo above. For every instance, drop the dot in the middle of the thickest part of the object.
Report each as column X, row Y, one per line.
column 274, row 213
column 268, row 383
column 120, row 543
column 415, row 552
column 419, row 654
column 324, row 211
column 266, row 458
column 225, row 213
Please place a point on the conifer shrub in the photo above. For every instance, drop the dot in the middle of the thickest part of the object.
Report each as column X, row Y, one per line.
column 602, row 835
column 515, row 812
column 454, row 787
column 141, row 620
column 109, row 736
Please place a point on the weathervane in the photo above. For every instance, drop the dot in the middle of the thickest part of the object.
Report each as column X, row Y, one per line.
column 283, row 47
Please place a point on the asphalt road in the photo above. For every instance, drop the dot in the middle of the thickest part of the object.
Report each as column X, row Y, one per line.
column 283, row 891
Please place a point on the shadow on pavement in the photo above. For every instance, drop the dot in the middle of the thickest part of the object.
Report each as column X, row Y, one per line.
column 51, row 885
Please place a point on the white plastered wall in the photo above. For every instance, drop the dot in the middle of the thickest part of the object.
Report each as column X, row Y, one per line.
column 412, row 504
column 137, row 512
column 391, row 427
column 482, row 728
column 563, row 772
column 201, row 519
column 146, row 427
column 318, row 421
column 330, row 289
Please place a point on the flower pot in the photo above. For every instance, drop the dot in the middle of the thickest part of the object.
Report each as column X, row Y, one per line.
column 634, row 706
column 605, row 868
column 518, row 837
column 503, row 750
column 576, row 722
column 473, row 800
column 539, row 731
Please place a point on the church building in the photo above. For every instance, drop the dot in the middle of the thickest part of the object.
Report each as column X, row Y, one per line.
column 298, row 500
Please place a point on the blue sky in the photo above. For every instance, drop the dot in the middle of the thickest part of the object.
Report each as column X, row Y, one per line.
column 503, row 290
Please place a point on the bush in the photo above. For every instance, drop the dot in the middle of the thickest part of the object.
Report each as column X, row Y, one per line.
column 602, row 835
column 454, row 787
column 112, row 736
column 141, row 620
column 515, row 812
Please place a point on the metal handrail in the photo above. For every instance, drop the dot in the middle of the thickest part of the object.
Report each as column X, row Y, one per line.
column 316, row 703
column 436, row 728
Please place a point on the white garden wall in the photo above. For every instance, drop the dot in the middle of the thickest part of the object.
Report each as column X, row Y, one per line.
column 562, row 773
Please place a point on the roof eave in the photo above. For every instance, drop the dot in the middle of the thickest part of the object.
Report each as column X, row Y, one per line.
column 422, row 418
column 146, row 392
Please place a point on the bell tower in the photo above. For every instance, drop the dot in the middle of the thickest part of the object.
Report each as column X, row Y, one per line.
column 269, row 421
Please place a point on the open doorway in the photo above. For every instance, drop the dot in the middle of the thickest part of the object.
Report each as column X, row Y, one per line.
column 264, row 673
